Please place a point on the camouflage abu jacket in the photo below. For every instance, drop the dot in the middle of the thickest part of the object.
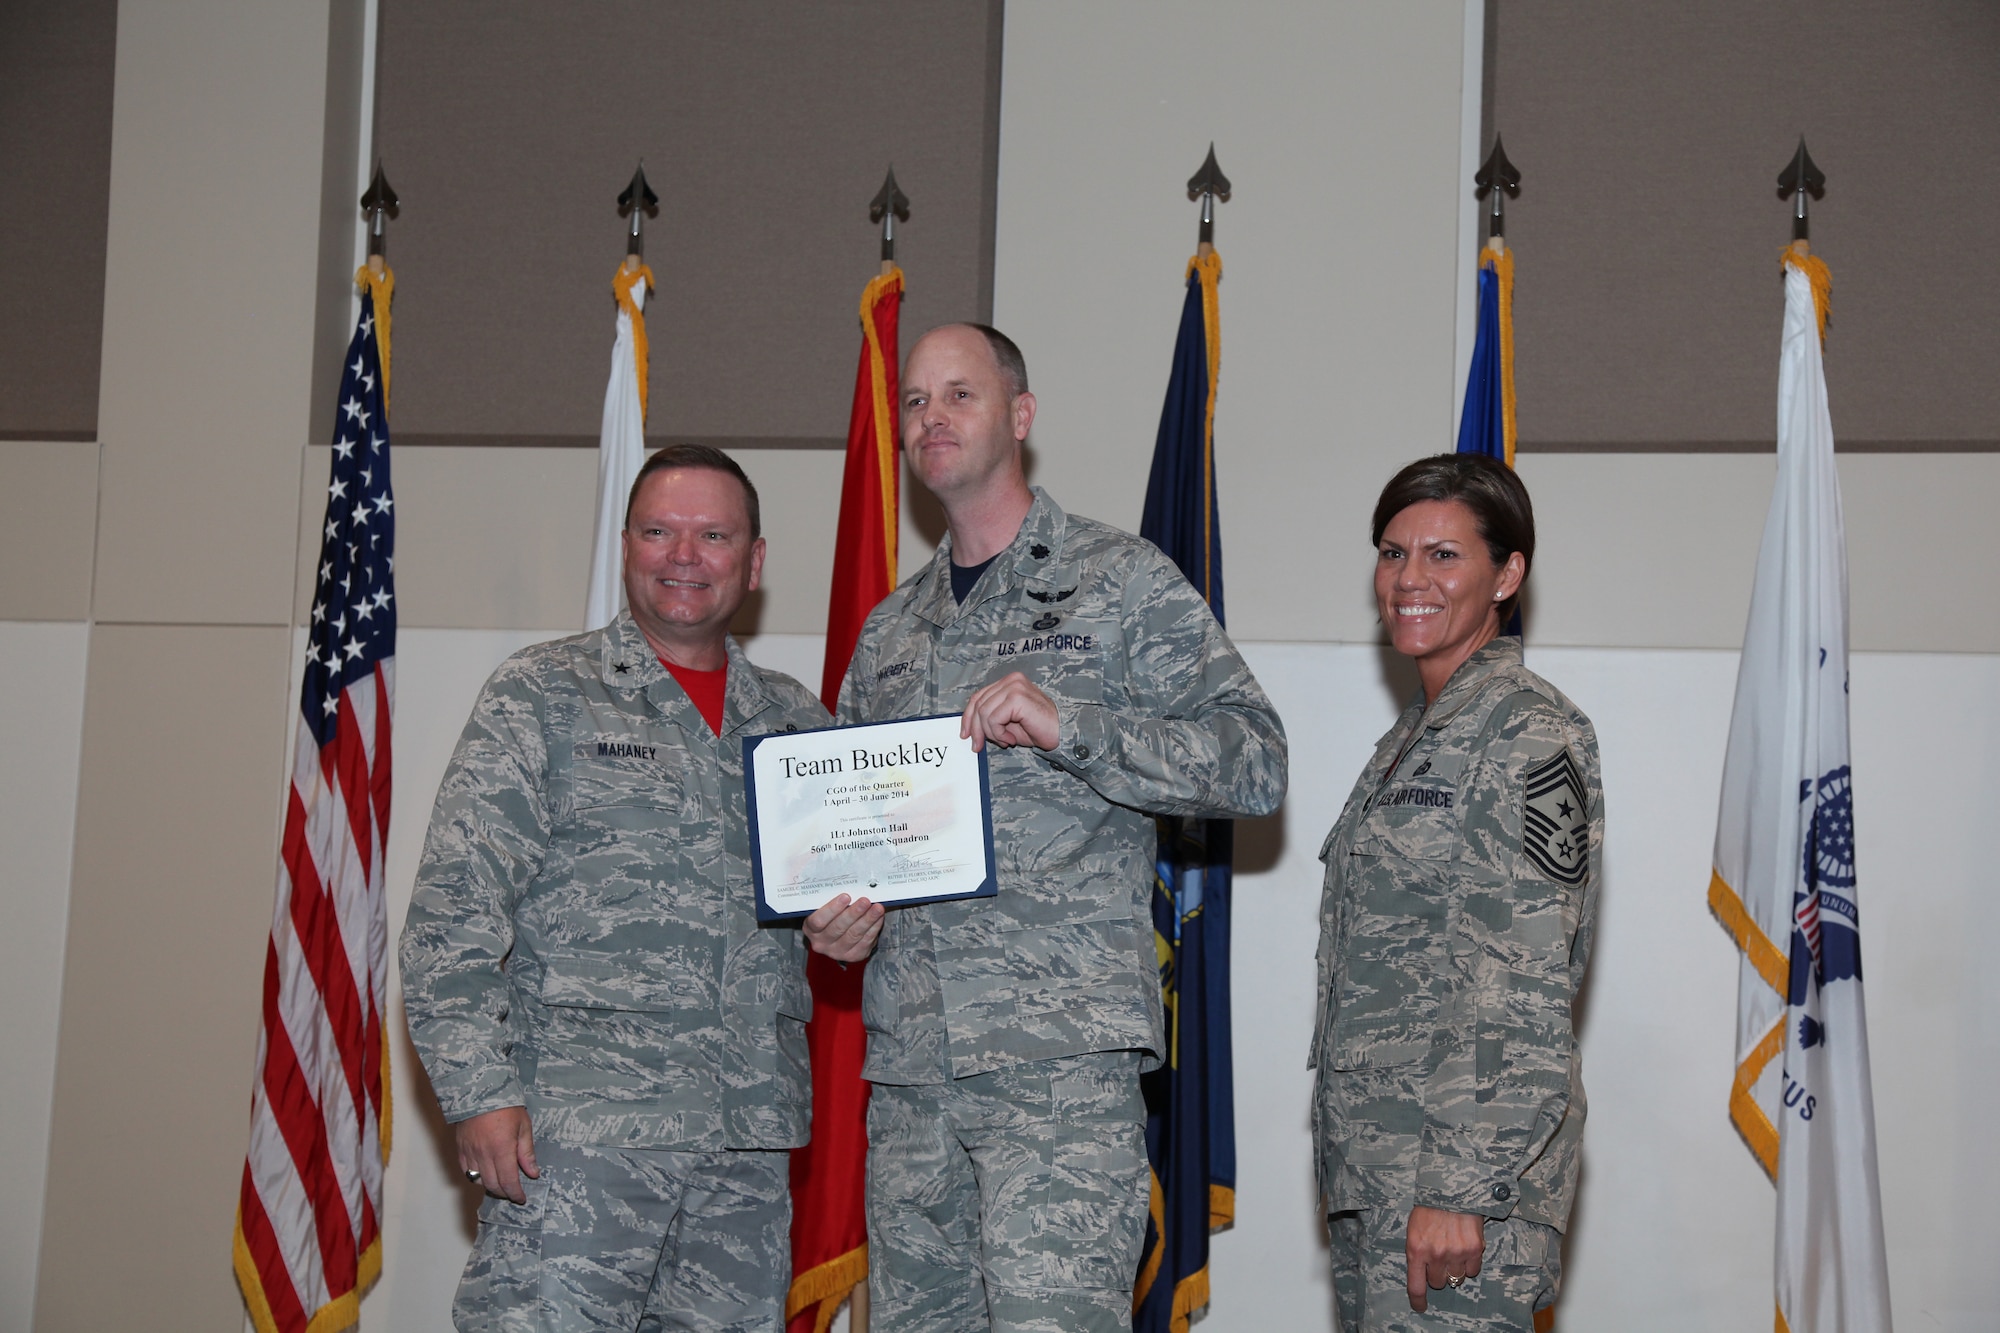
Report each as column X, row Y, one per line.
column 1455, row 926
column 583, row 938
column 1158, row 713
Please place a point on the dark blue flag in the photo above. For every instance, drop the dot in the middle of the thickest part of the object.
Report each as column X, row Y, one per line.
column 1482, row 426
column 1190, row 1099
column 1486, row 426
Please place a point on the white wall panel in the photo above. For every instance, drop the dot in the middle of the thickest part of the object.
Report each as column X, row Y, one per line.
column 1339, row 127
column 41, row 737
column 1673, row 1229
column 1674, row 1225
column 428, row 1209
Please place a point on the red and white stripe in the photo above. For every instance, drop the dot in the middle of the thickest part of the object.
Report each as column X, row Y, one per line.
column 309, row 1222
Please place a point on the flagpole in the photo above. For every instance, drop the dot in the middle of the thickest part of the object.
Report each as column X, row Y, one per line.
column 889, row 206
column 621, row 443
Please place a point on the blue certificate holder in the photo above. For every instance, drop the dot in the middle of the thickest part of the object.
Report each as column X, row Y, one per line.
column 895, row 812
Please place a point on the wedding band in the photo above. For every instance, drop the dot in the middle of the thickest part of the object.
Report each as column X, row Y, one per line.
column 1454, row 1282
column 472, row 1176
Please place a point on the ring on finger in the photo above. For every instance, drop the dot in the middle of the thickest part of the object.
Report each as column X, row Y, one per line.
column 1454, row 1282
column 472, row 1176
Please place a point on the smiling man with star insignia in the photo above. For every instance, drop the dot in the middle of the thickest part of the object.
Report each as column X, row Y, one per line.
column 618, row 1045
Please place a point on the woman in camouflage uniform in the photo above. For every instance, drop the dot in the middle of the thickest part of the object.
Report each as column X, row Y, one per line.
column 1460, row 894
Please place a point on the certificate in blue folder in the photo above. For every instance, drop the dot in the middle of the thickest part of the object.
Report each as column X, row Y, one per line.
column 894, row 812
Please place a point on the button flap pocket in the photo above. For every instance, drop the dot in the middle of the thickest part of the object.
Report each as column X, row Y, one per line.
column 1416, row 829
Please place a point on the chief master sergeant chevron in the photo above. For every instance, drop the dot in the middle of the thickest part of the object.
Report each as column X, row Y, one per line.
column 1007, row 1179
column 619, row 1047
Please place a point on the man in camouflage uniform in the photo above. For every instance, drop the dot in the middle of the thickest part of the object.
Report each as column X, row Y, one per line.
column 1460, row 902
column 1007, row 1180
column 620, row 1048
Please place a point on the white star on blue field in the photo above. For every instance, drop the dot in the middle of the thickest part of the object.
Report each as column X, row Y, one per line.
column 353, row 616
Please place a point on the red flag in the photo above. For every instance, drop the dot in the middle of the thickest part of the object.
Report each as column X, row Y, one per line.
column 829, row 1222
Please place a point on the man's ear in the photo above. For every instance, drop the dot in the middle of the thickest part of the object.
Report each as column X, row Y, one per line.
column 1024, row 415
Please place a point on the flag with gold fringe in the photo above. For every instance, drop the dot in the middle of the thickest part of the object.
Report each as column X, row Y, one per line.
column 1190, row 1099
column 1785, row 882
column 621, row 443
column 829, row 1223
column 309, row 1213
column 1486, row 425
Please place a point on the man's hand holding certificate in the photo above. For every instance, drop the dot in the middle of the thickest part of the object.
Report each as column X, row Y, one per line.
column 896, row 812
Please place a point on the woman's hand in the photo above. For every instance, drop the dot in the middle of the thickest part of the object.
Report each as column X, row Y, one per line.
column 1443, row 1249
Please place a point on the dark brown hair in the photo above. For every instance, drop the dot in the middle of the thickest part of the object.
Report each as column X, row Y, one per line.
column 697, row 456
column 1483, row 484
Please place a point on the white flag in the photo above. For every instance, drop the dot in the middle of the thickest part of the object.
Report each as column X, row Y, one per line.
column 621, row 448
column 1785, row 877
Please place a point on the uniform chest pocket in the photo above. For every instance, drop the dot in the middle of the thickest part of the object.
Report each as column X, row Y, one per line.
column 903, row 692
column 1411, row 824
column 1068, row 656
column 630, row 784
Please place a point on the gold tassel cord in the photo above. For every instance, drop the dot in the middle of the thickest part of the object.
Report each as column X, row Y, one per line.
column 885, row 420
column 382, row 287
column 1209, row 265
column 622, row 283
column 1821, row 278
column 1502, row 264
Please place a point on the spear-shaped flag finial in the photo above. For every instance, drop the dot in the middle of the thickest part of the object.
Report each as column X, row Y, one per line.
column 378, row 203
column 639, row 202
column 1497, row 177
column 1208, row 185
column 1797, row 181
column 889, row 206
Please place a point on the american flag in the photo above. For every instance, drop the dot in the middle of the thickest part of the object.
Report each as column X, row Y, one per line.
column 309, row 1222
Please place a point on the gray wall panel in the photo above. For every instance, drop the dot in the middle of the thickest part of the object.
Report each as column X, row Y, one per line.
column 56, row 66
column 1650, row 137
column 509, row 129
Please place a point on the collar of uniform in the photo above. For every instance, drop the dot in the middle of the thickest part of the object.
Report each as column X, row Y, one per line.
column 1471, row 676
column 625, row 660
column 628, row 662
column 1042, row 530
column 744, row 696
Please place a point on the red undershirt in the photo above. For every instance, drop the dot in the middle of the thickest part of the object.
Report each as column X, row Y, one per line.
column 704, row 690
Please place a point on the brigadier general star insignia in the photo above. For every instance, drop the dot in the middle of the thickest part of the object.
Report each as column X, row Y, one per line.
column 1555, row 824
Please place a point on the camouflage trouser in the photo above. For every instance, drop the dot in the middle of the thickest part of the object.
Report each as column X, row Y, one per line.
column 615, row 1238
column 1014, row 1200
column 1519, row 1273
